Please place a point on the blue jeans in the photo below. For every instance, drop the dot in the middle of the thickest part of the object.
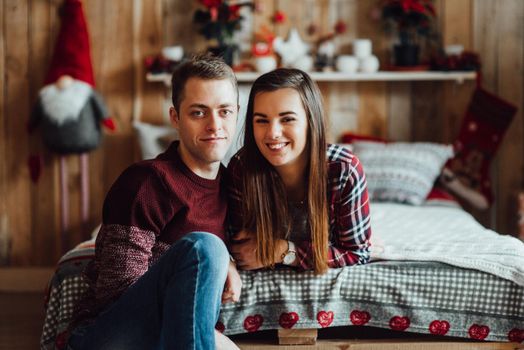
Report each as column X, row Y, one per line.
column 174, row 305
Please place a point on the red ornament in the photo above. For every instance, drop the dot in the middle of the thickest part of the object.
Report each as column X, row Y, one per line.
column 359, row 318
column 288, row 319
column 340, row 27
column 325, row 318
column 279, row 17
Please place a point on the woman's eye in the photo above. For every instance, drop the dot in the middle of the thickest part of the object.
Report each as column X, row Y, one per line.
column 288, row 119
column 227, row 112
column 260, row 121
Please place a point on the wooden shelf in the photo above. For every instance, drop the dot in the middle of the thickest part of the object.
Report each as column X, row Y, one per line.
column 247, row 77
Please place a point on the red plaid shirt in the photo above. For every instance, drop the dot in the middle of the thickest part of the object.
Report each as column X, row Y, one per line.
column 349, row 215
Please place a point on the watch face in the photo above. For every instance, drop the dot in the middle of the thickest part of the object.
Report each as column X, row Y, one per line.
column 289, row 258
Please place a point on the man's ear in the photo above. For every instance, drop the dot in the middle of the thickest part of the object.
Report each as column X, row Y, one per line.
column 174, row 117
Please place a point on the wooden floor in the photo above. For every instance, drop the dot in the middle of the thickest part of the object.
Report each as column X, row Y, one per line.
column 21, row 320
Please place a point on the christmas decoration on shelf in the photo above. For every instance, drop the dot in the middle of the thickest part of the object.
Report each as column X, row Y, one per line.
column 166, row 62
column 412, row 21
column 262, row 51
column 454, row 58
column 218, row 21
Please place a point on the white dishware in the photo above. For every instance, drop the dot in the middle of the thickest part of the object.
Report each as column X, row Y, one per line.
column 362, row 48
column 369, row 64
column 346, row 64
column 264, row 64
column 173, row 53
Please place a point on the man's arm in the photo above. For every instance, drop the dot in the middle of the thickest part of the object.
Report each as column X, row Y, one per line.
column 136, row 210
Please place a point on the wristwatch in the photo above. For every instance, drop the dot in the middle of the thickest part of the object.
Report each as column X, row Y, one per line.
column 288, row 258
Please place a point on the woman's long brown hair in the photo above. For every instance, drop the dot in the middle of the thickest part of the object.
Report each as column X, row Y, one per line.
column 265, row 206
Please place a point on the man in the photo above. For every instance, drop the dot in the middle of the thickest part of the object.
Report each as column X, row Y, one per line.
column 157, row 280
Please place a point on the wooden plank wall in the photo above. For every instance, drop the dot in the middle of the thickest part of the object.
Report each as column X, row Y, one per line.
column 124, row 32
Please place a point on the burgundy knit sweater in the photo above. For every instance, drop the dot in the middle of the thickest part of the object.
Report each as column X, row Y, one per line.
column 151, row 205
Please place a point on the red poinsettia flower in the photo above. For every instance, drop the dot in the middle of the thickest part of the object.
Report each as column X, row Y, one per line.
column 211, row 3
column 234, row 12
column 412, row 5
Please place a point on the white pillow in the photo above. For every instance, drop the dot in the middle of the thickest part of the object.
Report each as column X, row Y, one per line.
column 151, row 138
column 400, row 171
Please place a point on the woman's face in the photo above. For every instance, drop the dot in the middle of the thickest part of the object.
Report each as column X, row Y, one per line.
column 280, row 128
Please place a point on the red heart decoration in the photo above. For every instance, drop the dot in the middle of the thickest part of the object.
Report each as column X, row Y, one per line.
column 439, row 327
column 253, row 323
column 516, row 335
column 399, row 323
column 359, row 318
column 288, row 319
column 478, row 331
column 325, row 318
column 220, row 327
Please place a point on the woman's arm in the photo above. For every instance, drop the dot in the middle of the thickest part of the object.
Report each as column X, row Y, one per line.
column 350, row 229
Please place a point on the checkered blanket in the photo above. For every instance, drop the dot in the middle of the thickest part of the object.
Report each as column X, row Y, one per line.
column 420, row 297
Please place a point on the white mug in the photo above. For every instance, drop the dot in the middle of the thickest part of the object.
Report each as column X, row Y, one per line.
column 304, row 63
column 362, row 48
column 173, row 53
column 265, row 64
column 369, row 64
column 346, row 64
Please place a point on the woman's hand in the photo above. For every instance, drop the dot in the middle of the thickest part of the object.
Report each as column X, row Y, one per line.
column 233, row 285
column 243, row 248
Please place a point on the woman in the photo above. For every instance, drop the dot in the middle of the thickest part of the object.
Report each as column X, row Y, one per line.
column 293, row 199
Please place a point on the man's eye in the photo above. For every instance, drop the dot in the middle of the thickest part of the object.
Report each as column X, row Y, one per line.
column 197, row 113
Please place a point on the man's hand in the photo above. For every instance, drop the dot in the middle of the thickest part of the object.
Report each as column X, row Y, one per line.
column 243, row 248
column 233, row 285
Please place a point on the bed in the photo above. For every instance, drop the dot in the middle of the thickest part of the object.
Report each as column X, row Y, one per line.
column 445, row 298
column 434, row 269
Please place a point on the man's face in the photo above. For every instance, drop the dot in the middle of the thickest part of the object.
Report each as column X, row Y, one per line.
column 206, row 121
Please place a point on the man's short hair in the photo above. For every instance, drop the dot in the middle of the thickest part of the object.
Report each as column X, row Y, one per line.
column 203, row 66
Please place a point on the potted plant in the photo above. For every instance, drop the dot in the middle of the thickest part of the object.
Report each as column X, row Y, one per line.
column 412, row 21
column 218, row 21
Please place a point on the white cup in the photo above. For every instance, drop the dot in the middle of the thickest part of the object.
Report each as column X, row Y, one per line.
column 304, row 63
column 368, row 64
column 454, row 50
column 265, row 64
column 173, row 53
column 346, row 64
column 362, row 48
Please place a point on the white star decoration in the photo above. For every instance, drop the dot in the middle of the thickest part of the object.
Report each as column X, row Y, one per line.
column 292, row 49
